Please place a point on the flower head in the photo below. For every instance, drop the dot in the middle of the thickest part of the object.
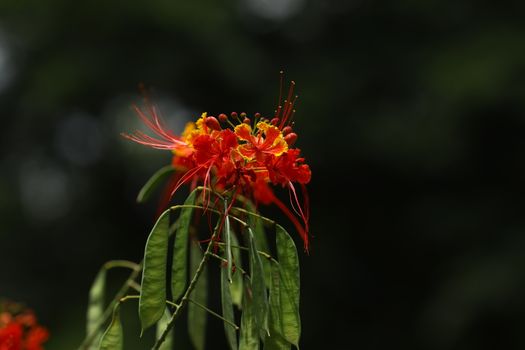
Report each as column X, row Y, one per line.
column 266, row 140
column 19, row 329
column 237, row 153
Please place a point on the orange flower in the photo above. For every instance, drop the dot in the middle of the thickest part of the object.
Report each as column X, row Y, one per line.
column 237, row 157
column 268, row 140
column 19, row 329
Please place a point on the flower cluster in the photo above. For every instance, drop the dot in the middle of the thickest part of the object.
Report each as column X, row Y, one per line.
column 19, row 329
column 236, row 153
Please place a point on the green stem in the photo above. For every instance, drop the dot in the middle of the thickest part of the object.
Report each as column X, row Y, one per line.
column 227, row 237
column 209, row 209
column 266, row 255
column 109, row 310
column 171, row 303
column 122, row 263
column 121, row 292
column 135, row 286
column 201, row 188
column 214, row 314
column 270, row 221
column 128, row 297
column 224, row 260
column 185, row 297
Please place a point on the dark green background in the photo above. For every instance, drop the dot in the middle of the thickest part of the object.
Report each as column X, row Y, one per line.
column 411, row 115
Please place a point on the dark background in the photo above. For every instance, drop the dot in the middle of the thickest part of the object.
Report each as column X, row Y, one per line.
column 411, row 115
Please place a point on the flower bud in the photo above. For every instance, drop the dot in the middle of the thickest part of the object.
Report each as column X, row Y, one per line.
column 290, row 138
column 243, row 115
column 257, row 115
column 233, row 114
column 275, row 121
column 247, row 121
column 287, row 130
column 213, row 123
column 223, row 117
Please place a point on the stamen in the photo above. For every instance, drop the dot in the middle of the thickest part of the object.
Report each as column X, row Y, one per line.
column 256, row 118
column 213, row 123
column 288, row 105
column 291, row 117
column 245, row 118
column 281, row 76
column 290, row 138
column 236, row 116
column 278, row 111
column 286, row 130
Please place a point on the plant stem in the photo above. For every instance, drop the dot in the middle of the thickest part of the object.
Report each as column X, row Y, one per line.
column 214, row 314
column 227, row 236
column 266, row 255
column 185, row 297
column 109, row 310
column 209, row 209
column 128, row 297
column 270, row 221
column 122, row 263
column 224, row 260
column 135, row 286
column 171, row 303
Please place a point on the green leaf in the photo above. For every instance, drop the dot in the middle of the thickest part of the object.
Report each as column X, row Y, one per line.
column 261, row 241
column 275, row 317
column 153, row 182
column 96, row 305
column 290, row 286
column 275, row 341
column 153, row 293
column 249, row 337
column 180, row 250
column 196, row 315
column 227, row 310
column 260, row 299
column 227, row 234
column 113, row 337
column 236, row 286
column 161, row 326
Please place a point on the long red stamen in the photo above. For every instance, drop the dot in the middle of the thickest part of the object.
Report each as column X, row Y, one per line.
column 166, row 141
column 306, row 201
column 301, row 212
column 188, row 176
column 288, row 105
column 302, row 232
column 281, row 76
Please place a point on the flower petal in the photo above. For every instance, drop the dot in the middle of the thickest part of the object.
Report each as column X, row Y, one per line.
column 244, row 132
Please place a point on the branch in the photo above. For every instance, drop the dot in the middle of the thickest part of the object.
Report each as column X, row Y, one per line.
column 214, row 314
column 109, row 310
column 185, row 297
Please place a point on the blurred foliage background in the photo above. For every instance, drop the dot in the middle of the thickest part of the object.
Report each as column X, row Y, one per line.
column 411, row 115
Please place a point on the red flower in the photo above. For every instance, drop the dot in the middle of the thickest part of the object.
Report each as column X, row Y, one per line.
column 20, row 330
column 288, row 168
column 268, row 141
column 241, row 158
column 11, row 337
column 35, row 337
